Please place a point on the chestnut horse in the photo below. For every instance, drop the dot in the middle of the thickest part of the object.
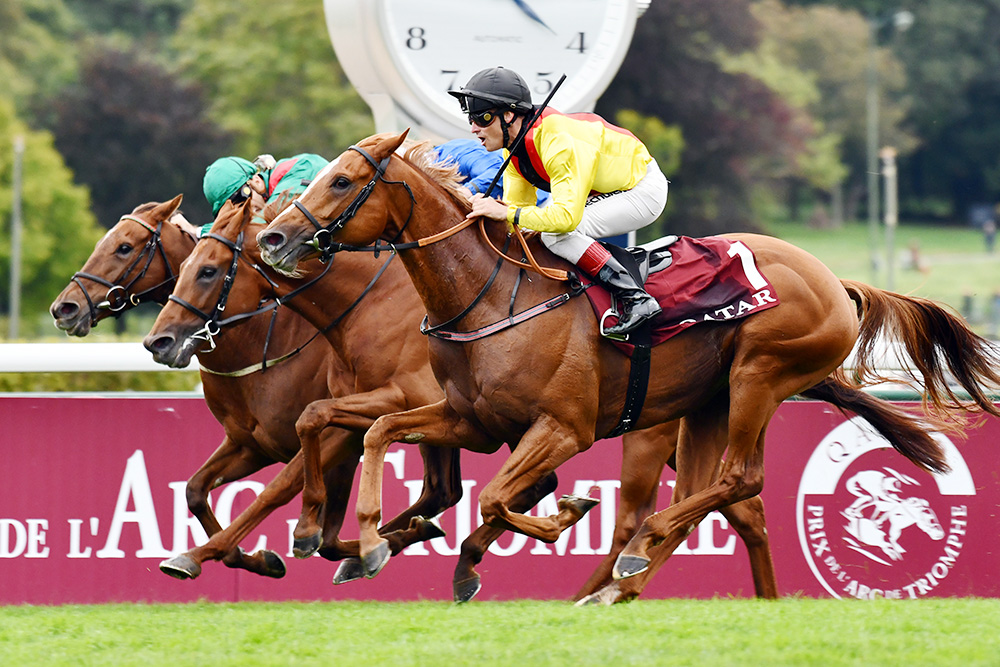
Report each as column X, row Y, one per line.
column 139, row 260
column 553, row 385
column 320, row 303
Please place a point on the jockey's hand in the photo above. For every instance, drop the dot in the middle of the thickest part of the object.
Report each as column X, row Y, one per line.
column 487, row 207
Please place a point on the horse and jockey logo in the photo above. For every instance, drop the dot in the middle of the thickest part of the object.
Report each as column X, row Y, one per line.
column 869, row 530
column 877, row 518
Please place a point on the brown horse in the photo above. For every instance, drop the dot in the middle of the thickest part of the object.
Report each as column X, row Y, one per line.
column 392, row 293
column 553, row 385
column 138, row 260
column 371, row 362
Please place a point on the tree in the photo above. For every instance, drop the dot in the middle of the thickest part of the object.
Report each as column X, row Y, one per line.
column 133, row 133
column 37, row 53
column 274, row 78
column 59, row 229
column 735, row 127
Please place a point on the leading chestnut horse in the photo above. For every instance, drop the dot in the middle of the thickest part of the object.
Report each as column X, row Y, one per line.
column 553, row 385
column 368, row 341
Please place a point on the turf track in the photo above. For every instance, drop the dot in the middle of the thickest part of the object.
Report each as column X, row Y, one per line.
column 648, row 632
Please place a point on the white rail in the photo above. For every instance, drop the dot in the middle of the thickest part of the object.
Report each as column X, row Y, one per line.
column 77, row 358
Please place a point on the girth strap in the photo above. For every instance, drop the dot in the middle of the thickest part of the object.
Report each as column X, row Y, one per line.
column 638, row 380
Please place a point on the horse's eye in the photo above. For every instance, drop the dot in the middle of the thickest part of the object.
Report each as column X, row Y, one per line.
column 123, row 249
column 341, row 182
column 207, row 272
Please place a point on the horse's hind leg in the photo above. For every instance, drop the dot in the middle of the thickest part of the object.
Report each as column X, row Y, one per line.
column 741, row 477
column 747, row 519
column 644, row 454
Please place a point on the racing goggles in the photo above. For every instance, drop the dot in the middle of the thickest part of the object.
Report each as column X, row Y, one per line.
column 482, row 119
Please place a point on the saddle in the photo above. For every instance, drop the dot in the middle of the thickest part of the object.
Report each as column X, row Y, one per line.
column 644, row 260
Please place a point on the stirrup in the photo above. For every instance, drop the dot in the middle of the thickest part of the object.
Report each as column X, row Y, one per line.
column 616, row 337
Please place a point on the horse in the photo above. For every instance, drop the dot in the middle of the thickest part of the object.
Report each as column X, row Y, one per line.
column 554, row 385
column 321, row 298
column 139, row 260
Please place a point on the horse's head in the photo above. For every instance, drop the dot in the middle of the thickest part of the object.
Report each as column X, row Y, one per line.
column 925, row 517
column 130, row 264
column 343, row 204
column 206, row 287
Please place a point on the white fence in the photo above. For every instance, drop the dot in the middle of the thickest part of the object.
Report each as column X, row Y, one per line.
column 77, row 358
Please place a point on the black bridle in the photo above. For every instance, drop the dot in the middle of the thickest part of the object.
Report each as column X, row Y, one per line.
column 214, row 321
column 119, row 297
column 322, row 240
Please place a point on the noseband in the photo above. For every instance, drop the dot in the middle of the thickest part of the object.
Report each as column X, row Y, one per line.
column 118, row 297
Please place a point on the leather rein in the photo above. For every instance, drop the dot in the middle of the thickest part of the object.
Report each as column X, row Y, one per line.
column 323, row 242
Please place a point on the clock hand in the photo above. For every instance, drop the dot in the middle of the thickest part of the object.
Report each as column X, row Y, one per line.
column 524, row 7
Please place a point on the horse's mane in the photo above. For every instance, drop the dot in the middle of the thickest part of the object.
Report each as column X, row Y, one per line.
column 421, row 154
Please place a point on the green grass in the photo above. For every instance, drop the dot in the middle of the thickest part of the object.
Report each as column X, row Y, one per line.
column 954, row 261
column 648, row 632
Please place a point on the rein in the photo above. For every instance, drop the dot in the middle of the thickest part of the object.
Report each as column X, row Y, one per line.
column 118, row 297
column 323, row 242
column 213, row 325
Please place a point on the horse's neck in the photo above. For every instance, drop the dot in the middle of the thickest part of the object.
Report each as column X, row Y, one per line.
column 450, row 274
column 352, row 326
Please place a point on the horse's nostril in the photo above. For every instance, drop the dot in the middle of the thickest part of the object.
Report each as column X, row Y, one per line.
column 159, row 344
column 65, row 309
column 272, row 239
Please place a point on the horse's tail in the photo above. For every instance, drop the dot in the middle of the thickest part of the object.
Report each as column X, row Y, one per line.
column 939, row 343
column 903, row 430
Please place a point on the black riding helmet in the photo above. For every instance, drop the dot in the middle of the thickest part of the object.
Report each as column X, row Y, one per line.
column 494, row 88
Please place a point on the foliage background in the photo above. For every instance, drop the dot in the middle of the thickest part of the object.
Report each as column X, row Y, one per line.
column 756, row 109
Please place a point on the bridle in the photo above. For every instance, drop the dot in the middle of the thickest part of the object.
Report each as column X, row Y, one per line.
column 214, row 321
column 322, row 240
column 119, row 297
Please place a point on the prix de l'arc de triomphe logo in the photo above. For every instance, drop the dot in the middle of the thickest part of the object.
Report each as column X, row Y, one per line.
column 871, row 524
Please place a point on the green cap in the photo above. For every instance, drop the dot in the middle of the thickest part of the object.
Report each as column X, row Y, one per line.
column 224, row 177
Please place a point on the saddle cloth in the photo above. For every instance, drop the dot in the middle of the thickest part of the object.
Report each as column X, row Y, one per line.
column 711, row 279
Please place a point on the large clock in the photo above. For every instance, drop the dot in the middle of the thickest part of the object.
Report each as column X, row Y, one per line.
column 403, row 56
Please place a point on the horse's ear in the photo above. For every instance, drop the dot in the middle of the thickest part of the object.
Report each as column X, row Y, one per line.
column 166, row 209
column 390, row 144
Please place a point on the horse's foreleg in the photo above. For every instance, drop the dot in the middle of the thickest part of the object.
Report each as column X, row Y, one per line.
column 466, row 582
column 356, row 412
column 442, row 489
column 644, row 454
column 547, row 444
column 435, row 425
column 229, row 462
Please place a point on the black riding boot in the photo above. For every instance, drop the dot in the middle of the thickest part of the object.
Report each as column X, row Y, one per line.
column 636, row 305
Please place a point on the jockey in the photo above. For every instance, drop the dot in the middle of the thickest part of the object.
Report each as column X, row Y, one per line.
column 476, row 165
column 263, row 180
column 602, row 180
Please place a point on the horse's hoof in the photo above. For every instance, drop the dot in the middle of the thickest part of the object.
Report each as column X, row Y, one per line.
column 579, row 505
column 306, row 546
column 629, row 566
column 466, row 590
column 426, row 529
column 375, row 560
column 604, row 597
column 274, row 566
column 181, row 567
column 349, row 569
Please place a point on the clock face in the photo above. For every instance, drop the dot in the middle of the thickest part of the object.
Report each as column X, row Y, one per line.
column 437, row 45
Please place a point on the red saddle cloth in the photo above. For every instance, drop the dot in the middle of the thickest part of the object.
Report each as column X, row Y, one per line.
column 711, row 279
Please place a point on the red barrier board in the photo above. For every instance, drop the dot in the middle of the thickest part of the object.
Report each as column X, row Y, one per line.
column 92, row 499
